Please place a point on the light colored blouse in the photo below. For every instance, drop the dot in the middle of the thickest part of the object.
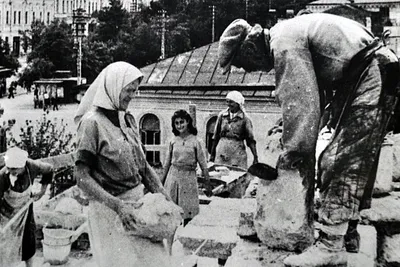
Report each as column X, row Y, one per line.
column 186, row 152
column 116, row 160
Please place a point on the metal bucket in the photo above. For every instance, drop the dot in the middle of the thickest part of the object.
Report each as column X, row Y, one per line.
column 56, row 245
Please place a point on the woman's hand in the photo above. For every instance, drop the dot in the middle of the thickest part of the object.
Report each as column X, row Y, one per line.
column 127, row 214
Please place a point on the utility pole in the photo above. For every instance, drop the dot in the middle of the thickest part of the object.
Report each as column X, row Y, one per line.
column 79, row 20
column 213, row 24
column 163, row 12
column 247, row 9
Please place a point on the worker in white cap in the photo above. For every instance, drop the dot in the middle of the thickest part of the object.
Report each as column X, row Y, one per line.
column 233, row 126
column 17, row 225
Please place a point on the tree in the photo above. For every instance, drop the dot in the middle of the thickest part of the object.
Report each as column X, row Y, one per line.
column 54, row 43
column 96, row 56
column 177, row 36
column 7, row 59
column 139, row 46
column 112, row 20
column 52, row 49
column 38, row 68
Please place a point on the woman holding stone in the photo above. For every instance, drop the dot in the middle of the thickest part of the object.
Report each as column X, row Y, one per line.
column 111, row 168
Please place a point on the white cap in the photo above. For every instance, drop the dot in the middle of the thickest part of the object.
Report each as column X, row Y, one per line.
column 15, row 157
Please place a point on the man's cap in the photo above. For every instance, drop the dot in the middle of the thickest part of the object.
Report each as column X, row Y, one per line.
column 230, row 41
column 15, row 157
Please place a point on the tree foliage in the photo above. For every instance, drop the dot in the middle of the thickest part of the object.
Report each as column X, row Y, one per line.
column 36, row 69
column 43, row 138
column 136, row 37
column 113, row 20
column 7, row 59
column 54, row 43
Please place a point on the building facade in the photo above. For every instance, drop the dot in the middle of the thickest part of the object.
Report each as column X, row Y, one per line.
column 384, row 15
column 193, row 81
column 18, row 15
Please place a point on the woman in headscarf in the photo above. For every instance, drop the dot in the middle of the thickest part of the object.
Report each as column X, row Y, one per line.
column 17, row 219
column 232, row 128
column 111, row 169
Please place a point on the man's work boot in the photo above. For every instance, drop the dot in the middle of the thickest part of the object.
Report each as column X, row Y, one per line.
column 328, row 251
column 352, row 241
column 352, row 237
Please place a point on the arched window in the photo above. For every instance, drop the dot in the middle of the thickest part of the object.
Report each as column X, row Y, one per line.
column 210, row 132
column 150, row 136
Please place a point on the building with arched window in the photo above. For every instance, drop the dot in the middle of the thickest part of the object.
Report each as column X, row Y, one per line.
column 193, row 80
column 150, row 132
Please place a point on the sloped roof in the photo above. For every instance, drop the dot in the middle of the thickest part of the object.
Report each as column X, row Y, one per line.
column 357, row 2
column 199, row 69
column 330, row 2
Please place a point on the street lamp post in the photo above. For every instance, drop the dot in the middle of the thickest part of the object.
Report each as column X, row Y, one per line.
column 79, row 22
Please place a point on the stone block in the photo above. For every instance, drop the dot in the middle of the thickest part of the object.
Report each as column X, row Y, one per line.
column 384, row 174
column 220, row 240
column 396, row 186
column 391, row 250
column 240, row 262
column 212, row 216
column 220, row 212
column 367, row 255
column 207, row 262
column 56, row 219
column 384, row 209
column 284, row 212
column 246, row 219
column 255, row 254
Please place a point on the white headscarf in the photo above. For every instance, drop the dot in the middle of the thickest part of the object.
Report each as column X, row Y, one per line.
column 105, row 90
column 15, row 157
column 237, row 97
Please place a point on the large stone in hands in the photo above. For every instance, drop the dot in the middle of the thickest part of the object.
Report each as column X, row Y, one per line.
column 284, row 212
column 157, row 218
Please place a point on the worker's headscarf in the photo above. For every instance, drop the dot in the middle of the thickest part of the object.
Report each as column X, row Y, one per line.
column 244, row 46
column 104, row 92
column 15, row 157
column 236, row 97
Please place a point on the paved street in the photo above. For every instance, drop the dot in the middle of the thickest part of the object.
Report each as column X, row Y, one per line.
column 21, row 109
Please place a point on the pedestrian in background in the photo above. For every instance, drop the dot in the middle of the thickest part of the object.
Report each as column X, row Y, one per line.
column 46, row 99
column 36, row 97
column 54, row 99
column 11, row 90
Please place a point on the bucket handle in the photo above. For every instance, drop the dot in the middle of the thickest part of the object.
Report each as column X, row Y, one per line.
column 81, row 229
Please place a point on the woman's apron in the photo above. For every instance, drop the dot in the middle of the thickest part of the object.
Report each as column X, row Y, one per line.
column 232, row 152
column 11, row 238
column 113, row 246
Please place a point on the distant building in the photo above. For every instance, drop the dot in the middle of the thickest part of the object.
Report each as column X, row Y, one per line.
column 17, row 15
column 195, row 79
column 384, row 15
